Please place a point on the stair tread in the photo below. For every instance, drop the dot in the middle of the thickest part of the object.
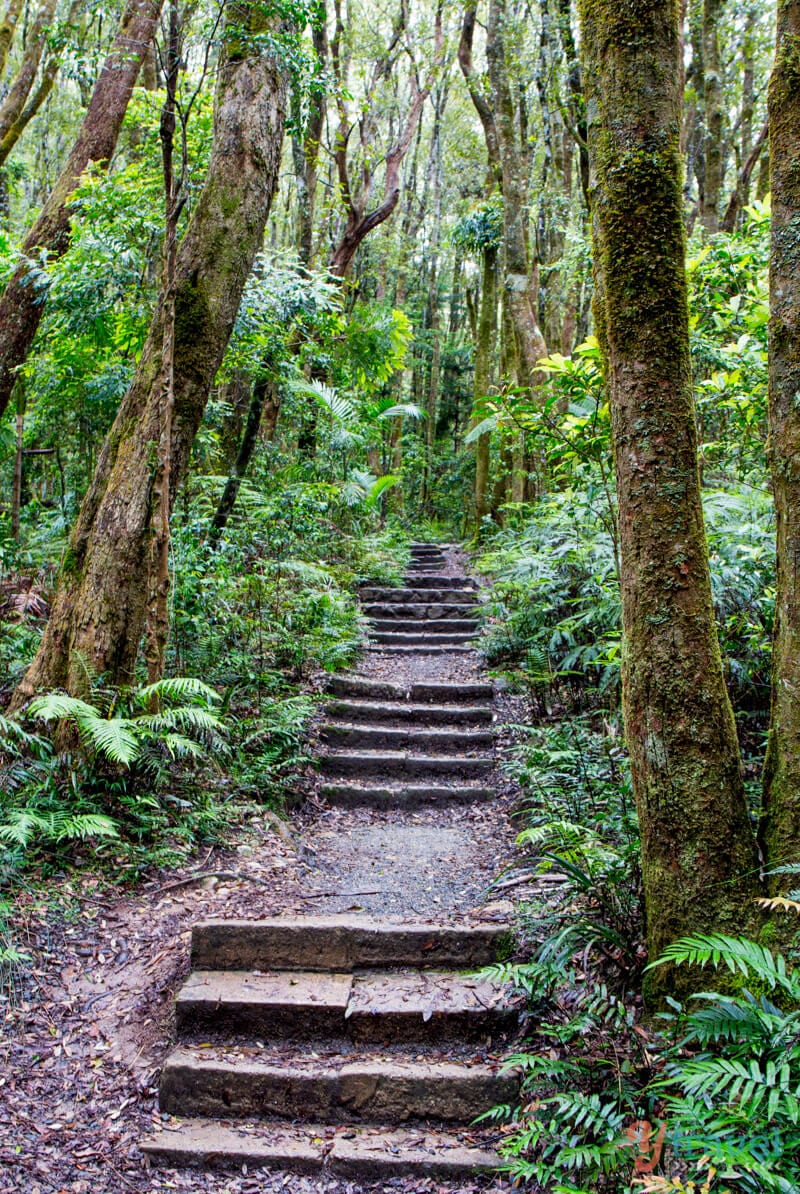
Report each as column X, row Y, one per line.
column 341, row 942
column 350, row 1151
column 376, row 993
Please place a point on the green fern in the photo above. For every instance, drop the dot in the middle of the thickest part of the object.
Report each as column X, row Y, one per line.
column 738, row 954
column 20, row 826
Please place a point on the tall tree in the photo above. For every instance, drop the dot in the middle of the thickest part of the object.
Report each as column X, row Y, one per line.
column 8, row 27
column 698, row 851
column 360, row 219
column 99, row 610
column 21, row 307
column 714, row 114
column 22, row 84
column 307, row 136
column 19, row 110
column 780, row 827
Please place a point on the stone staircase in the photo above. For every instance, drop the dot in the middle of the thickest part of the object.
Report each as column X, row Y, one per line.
column 347, row 1045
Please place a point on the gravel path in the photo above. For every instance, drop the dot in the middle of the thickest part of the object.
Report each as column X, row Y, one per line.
column 91, row 1019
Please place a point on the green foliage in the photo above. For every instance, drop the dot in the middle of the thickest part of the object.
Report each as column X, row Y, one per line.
column 731, row 1081
column 108, row 770
column 482, row 228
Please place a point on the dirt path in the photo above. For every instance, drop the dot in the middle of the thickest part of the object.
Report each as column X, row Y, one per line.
column 83, row 1042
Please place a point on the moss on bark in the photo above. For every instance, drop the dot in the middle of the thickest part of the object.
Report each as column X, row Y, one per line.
column 99, row 610
column 698, row 852
column 780, row 827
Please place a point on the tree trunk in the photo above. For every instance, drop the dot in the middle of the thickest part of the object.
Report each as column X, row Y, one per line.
column 8, row 27
column 98, row 613
column 305, row 148
column 19, row 456
column 698, row 853
column 10, row 133
column 521, row 270
column 715, row 114
column 25, row 77
column 21, row 306
column 484, row 355
column 264, row 400
column 780, row 826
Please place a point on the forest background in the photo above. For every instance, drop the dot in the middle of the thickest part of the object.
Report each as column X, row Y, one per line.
column 410, row 345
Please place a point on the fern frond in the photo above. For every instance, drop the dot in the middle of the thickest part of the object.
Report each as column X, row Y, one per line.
column 114, row 738
column 178, row 688
column 738, row 954
column 55, row 706
column 779, row 903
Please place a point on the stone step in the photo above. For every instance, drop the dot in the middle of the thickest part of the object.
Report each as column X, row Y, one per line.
column 375, row 1006
column 420, row 638
column 404, row 625
column 343, row 942
column 419, row 611
column 440, row 693
column 356, row 737
column 382, row 765
column 424, row 715
column 416, row 594
column 344, row 795
column 458, row 583
column 354, row 1153
column 251, row 1082
column 436, row 649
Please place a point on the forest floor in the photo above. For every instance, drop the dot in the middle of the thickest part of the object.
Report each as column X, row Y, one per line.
column 91, row 1020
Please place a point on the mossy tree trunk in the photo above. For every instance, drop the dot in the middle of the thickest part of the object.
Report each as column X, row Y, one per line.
column 21, row 307
column 262, row 415
column 521, row 268
column 22, row 83
column 698, row 851
column 780, row 828
column 484, row 356
column 8, row 27
column 714, row 113
column 36, row 98
column 99, row 610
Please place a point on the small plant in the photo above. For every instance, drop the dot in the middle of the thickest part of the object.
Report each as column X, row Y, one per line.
column 103, row 772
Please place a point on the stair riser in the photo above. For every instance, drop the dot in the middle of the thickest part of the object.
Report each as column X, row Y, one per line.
column 443, row 694
column 343, row 796
column 380, row 1096
column 467, row 627
column 341, row 945
column 440, row 583
column 422, row 715
column 419, row 640
column 436, row 742
column 404, row 768
column 351, row 1159
column 311, row 1022
column 420, row 612
column 389, row 649
column 416, row 596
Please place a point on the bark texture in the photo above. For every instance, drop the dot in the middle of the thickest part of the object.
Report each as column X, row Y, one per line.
column 263, row 411
column 10, row 132
column 8, row 27
column 22, row 84
column 21, row 307
column 698, row 850
column 714, row 112
column 99, row 611
column 485, row 343
column 780, row 828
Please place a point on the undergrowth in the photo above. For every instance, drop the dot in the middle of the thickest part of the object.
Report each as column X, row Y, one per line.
column 704, row 1098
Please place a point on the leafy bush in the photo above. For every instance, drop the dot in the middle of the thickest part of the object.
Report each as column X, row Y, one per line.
column 105, row 772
